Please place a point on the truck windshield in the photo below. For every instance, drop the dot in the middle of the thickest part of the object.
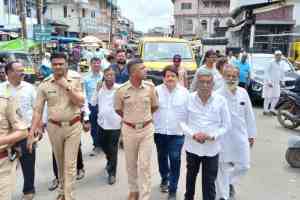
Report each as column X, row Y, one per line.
column 155, row 51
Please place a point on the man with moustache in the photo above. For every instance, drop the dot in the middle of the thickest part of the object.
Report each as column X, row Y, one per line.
column 208, row 118
column 25, row 93
column 120, row 67
column 234, row 159
column 168, row 136
column 63, row 93
column 109, row 122
column 135, row 101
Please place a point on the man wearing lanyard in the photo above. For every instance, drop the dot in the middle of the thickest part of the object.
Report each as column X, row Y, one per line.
column 90, row 84
column 25, row 93
column 168, row 137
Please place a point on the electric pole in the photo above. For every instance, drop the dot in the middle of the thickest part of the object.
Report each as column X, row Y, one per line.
column 39, row 7
column 111, row 23
column 39, row 13
column 22, row 14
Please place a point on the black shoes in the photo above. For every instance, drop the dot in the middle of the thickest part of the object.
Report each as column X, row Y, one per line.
column 164, row 186
column 231, row 191
column 172, row 196
column 111, row 180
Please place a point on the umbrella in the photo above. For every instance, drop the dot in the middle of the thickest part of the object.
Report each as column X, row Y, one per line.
column 17, row 45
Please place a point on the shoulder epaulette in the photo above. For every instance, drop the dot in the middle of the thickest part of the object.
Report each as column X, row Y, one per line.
column 47, row 78
column 149, row 83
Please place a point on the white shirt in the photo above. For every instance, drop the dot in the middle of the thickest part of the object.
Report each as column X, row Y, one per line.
column 26, row 94
column 235, row 144
column 212, row 118
column 108, row 119
column 171, row 110
column 274, row 73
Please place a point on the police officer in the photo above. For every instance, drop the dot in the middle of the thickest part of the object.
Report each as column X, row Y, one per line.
column 25, row 94
column 135, row 102
column 63, row 93
column 12, row 130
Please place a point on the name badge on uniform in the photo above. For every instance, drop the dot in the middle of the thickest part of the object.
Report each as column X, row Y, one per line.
column 242, row 103
column 52, row 92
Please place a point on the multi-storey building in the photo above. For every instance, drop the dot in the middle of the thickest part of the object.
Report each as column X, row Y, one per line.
column 9, row 16
column 200, row 18
column 80, row 16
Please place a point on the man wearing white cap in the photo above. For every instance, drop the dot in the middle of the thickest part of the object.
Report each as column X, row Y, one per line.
column 274, row 74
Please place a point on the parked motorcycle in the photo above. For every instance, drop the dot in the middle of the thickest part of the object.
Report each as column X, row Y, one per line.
column 292, row 154
column 288, row 108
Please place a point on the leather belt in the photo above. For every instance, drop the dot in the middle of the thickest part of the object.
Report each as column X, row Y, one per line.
column 3, row 154
column 139, row 125
column 67, row 123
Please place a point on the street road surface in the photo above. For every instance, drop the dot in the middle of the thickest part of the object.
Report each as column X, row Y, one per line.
column 270, row 177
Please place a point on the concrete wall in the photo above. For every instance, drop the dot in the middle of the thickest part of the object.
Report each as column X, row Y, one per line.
column 75, row 20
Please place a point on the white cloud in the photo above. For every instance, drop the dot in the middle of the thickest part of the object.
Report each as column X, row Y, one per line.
column 147, row 14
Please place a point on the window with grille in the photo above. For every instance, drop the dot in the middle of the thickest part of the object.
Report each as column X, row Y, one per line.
column 186, row 6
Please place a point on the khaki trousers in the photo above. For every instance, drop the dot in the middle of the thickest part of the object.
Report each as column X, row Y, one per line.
column 7, row 178
column 138, row 146
column 65, row 144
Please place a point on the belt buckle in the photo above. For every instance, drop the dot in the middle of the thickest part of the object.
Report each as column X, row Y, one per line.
column 65, row 123
column 139, row 125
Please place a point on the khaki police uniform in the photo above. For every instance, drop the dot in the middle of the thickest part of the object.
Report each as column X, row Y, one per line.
column 10, row 121
column 137, row 130
column 64, row 127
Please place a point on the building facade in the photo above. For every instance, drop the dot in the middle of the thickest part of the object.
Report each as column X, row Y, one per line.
column 200, row 18
column 9, row 16
column 81, row 16
column 275, row 24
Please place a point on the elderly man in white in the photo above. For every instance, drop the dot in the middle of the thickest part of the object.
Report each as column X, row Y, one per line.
column 274, row 74
column 234, row 159
column 208, row 118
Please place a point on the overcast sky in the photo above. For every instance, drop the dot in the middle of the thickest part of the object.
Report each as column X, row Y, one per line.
column 147, row 14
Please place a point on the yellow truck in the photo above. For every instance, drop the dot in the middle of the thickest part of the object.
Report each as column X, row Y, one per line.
column 158, row 52
column 294, row 55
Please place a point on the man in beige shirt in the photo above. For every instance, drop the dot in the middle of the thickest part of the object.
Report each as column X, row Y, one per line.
column 63, row 93
column 135, row 102
column 12, row 130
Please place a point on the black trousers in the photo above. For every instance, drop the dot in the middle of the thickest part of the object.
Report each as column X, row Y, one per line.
column 209, row 175
column 79, row 162
column 27, row 161
column 110, row 145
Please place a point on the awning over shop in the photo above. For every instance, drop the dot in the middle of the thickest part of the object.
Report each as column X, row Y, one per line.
column 17, row 45
column 238, row 10
column 277, row 22
column 62, row 39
